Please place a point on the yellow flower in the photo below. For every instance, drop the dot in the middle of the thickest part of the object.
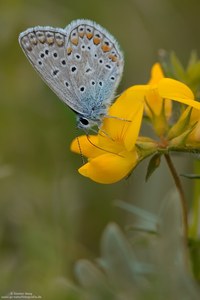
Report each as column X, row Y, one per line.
column 158, row 94
column 112, row 153
column 155, row 105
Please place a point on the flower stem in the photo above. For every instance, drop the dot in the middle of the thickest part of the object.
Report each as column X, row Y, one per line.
column 194, row 227
column 181, row 193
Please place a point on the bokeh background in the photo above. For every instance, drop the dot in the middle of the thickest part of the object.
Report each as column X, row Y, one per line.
column 49, row 215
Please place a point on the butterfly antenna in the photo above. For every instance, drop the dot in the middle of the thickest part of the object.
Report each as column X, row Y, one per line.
column 117, row 96
column 88, row 138
column 104, row 133
column 117, row 118
column 79, row 147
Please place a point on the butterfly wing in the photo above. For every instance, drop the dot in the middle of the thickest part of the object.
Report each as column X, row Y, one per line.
column 45, row 48
column 99, row 62
column 82, row 63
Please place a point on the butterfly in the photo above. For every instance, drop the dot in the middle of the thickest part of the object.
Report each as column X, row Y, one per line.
column 81, row 63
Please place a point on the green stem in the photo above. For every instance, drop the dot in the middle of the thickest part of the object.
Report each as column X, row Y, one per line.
column 181, row 193
column 196, row 205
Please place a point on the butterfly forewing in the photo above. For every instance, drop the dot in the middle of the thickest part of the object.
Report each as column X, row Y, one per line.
column 45, row 47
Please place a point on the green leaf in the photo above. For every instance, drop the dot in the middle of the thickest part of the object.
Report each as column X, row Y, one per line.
column 153, row 165
column 193, row 75
column 118, row 255
column 190, row 176
column 194, row 247
column 148, row 221
column 179, row 71
column 181, row 124
column 171, row 65
column 192, row 60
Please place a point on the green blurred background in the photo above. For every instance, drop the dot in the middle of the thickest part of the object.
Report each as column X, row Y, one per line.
column 49, row 214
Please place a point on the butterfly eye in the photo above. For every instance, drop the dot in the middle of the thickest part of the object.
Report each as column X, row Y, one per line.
column 84, row 121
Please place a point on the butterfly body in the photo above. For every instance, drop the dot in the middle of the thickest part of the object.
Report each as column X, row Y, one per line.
column 82, row 64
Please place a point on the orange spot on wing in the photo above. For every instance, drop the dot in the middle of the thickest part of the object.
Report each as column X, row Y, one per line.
column 89, row 36
column 81, row 34
column 74, row 41
column 105, row 48
column 96, row 40
column 113, row 57
column 69, row 50
column 50, row 40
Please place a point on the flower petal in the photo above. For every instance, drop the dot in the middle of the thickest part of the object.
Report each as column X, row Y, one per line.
column 86, row 146
column 134, row 127
column 178, row 91
column 125, row 117
column 195, row 116
column 156, row 74
column 154, row 103
column 109, row 168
